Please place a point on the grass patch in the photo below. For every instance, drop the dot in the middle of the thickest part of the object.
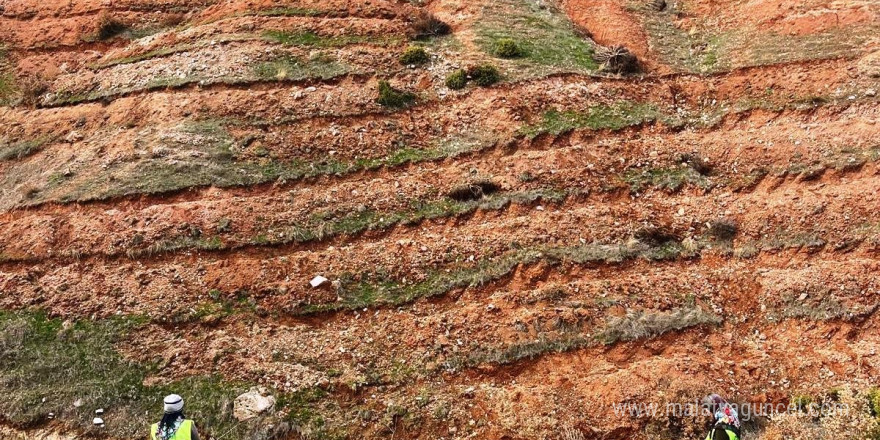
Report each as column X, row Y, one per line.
column 394, row 98
column 22, row 149
column 309, row 39
column 635, row 325
column 288, row 12
column 601, row 117
column 201, row 155
column 294, row 69
column 321, row 227
column 7, row 80
column 281, row 68
column 539, row 34
column 671, row 178
column 641, row 324
column 48, row 365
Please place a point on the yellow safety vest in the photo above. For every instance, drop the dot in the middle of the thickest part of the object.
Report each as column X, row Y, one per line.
column 730, row 434
column 184, row 432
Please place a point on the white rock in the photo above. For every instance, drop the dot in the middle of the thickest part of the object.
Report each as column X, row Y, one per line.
column 318, row 281
column 252, row 403
column 99, row 411
column 98, row 421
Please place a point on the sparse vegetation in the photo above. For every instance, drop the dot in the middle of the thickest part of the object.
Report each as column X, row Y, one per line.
column 638, row 324
column 310, row 39
column 48, row 365
column 601, row 117
column 292, row 68
column 543, row 36
column 367, row 290
column 393, row 98
column 414, row 55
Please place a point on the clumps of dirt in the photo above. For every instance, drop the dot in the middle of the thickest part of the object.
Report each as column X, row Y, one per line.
column 473, row 191
column 617, row 59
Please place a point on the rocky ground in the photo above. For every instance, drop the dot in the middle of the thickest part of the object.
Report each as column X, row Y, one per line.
column 507, row 258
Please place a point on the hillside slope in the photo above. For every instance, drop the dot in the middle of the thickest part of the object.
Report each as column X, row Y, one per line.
column 518, row 233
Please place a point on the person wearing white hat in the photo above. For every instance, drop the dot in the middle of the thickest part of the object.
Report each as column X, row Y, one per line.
column 174, row 425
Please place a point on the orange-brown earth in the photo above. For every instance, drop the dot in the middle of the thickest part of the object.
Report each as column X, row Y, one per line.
column 504, row 262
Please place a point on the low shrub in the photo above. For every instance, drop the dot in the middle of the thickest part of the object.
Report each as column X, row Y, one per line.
column 484, row 75
column 617, row 59
column 723, row 229
column 425, row 25
column 457, row 79
column 109, row 27
column 414, row 55
column 507, row 48
column 391, row 97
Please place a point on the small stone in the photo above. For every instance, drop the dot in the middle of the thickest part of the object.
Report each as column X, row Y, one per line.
column 77, row 403
column 99, row 411
column 98, row 421
column 318, row 281
column 870, row 92
column 802, row 297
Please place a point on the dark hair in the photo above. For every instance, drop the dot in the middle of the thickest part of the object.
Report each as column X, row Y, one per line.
column 168, row 419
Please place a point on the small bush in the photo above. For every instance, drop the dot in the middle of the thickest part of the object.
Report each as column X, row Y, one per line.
column 391, row 97
column 473, row 191
column 507, row 48
column 484, row 75
column 723, row 229
column 414, row 55
column 426, row 25
column 109, row 27
column 617, row 59
column 457, row 79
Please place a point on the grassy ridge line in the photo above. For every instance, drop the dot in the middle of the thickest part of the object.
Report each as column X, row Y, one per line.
column 670, row 179
column 350, row 224
column 635, row 325
column 306, row 39
column 47, row 365
column 222, row 170
column 317, row 68
column 370, row 289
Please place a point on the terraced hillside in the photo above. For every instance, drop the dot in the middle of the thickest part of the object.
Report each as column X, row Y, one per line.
column 521, row 228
